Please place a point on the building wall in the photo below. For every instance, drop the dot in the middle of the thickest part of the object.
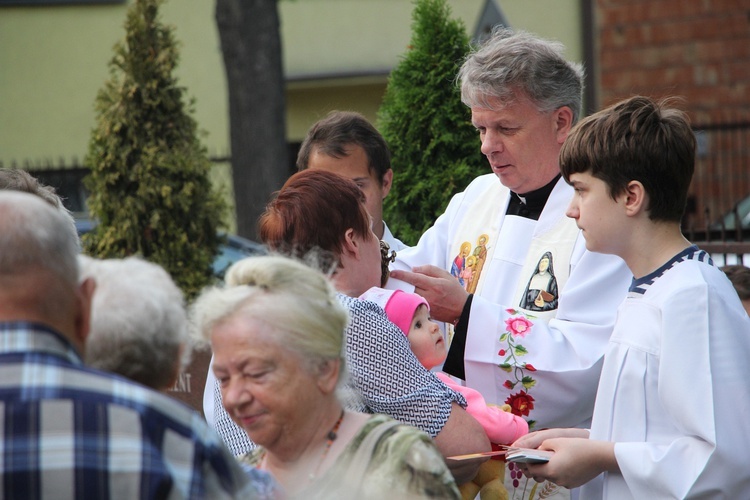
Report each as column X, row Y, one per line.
column 54, row 60
column 699, row 51
column 337, row 55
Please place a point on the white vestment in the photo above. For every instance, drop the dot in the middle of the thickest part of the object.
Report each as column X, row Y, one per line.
column 551, row 371
column 675, row 393
column 566, row 350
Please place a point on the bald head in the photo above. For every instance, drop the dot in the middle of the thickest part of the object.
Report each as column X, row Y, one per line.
column 33, row 234
column 38, row 266
column 12, row 179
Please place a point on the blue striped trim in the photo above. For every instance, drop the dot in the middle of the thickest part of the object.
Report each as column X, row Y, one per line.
column 640, row 285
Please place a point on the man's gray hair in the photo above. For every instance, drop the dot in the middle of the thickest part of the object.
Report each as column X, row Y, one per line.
column 509, row 62
column 139, row 325
column 36, row 235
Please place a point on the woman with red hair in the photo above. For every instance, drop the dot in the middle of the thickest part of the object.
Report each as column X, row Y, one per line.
column 323, row 214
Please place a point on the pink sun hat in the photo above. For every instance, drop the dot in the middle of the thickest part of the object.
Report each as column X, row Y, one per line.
column 398, row 305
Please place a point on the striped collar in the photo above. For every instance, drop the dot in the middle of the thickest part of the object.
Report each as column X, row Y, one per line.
column 640, row 285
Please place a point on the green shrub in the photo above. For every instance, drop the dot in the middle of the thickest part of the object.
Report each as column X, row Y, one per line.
column 149, row 187
column 434, row 146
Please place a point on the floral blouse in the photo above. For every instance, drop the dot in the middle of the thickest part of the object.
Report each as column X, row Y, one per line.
column 404, row 463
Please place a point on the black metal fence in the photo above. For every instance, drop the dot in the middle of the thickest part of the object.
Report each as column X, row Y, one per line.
column 725, row 247
column 717, row 217
column 719, row 195
column 722, row 172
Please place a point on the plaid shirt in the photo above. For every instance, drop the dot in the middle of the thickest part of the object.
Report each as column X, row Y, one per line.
column 74, row 432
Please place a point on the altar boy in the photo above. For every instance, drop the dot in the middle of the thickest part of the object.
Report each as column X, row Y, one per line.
column 670, row 418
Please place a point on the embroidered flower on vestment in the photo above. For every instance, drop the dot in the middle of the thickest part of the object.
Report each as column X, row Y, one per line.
column 518, row 326
column 520, row 404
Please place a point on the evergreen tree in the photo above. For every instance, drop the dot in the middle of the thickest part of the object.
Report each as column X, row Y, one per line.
column 435, row 148
column 149, row 184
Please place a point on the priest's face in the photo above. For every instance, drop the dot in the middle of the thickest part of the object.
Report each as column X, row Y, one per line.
column 520, row 142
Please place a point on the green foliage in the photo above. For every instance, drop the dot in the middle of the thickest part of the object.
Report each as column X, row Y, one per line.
column 434, row 146
column 149, row 184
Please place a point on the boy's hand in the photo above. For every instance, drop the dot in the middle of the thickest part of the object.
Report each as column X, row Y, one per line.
column 442, row 291
column 534, row 439
column 576, row 461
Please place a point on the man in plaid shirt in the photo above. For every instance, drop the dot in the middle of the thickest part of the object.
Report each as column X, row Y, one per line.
column 71, row 431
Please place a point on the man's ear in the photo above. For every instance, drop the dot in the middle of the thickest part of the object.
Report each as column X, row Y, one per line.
column 387, row 182
column 563, row 123
column 84, row 298
column 636, row 198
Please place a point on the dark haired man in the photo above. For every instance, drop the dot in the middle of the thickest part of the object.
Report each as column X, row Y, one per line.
column 345, row 143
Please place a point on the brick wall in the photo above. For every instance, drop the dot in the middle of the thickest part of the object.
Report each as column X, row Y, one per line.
column 698, row 50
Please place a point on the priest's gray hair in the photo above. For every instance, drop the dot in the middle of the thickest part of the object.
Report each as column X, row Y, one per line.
column 509, row 62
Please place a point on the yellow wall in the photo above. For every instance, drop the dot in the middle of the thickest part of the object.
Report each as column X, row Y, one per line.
column 306, row 105
column 53, row 60
column 555, row 19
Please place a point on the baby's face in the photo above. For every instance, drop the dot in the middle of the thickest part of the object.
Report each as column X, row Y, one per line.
column 426, row 339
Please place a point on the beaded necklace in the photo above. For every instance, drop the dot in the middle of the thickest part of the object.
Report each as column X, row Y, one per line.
column 330, row 438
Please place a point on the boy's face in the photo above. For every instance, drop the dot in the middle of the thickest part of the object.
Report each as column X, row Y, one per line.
column 355, row 166
column 597, row 215
column 426, row 339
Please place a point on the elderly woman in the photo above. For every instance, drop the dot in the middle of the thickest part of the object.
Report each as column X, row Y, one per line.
column 278, row 355
column 139, row 325
column 324, row 212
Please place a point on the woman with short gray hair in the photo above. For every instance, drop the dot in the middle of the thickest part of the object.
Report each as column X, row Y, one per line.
column 139, row 324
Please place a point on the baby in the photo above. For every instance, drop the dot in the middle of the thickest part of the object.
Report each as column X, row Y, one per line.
column 411, row 313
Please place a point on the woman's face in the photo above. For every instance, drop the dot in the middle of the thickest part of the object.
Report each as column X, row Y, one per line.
column 265, row 386
column 543, row 264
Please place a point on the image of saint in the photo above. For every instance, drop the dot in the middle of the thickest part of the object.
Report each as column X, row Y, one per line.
column 480, row 254
column 469, row 273
column 541, row 292
column 459, row 263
